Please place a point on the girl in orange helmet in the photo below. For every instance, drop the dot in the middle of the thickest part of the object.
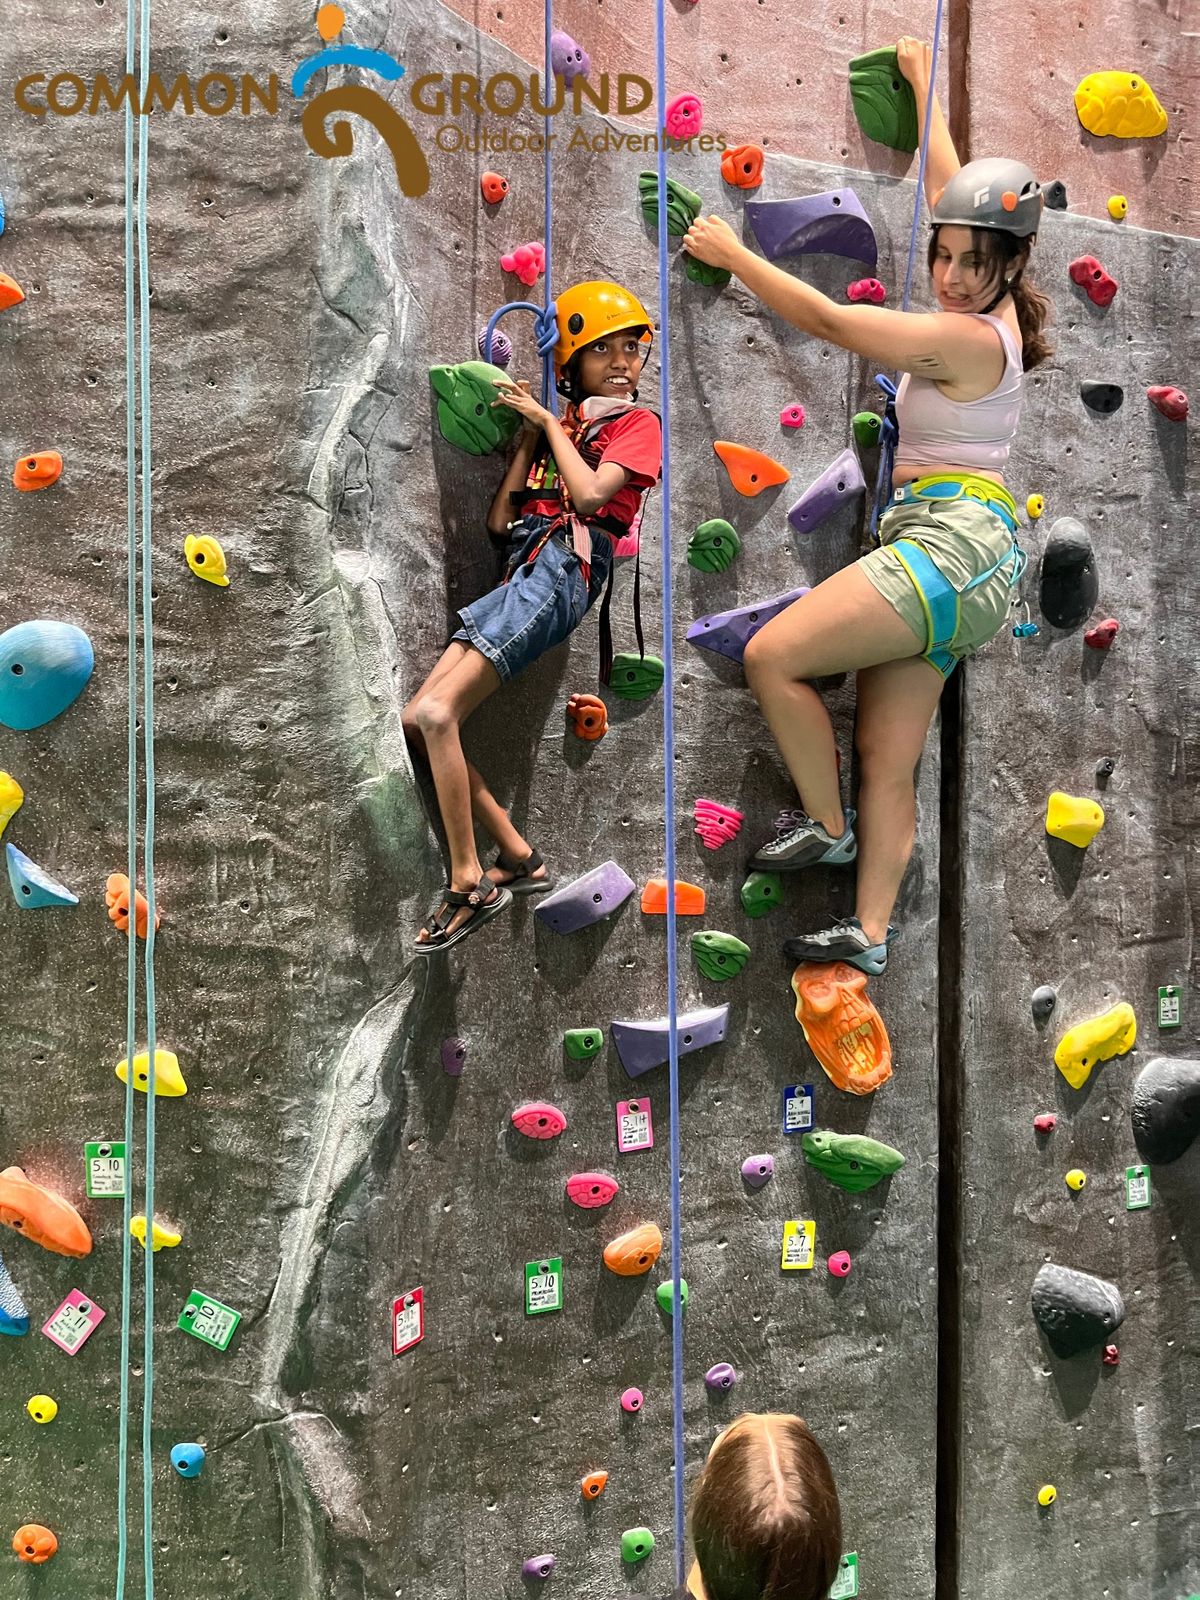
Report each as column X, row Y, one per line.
column 573, row 488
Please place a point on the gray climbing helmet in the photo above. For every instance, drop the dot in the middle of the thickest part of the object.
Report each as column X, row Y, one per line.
column 992, row 193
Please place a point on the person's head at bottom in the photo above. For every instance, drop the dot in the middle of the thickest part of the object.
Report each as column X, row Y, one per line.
column 765, row 1519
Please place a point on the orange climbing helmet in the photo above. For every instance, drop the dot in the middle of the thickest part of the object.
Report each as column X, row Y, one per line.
column 589, row 311
column 992, row 193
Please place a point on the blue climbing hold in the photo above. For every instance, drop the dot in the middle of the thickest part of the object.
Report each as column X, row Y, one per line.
column 43, row 668
column 188, row 1459
column 1025, row 630
column 832, row 224
column 14, row 1318
column 32, row 888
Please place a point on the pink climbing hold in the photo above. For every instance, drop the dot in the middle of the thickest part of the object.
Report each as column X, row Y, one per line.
column 840, row 1263
column 454, row 1054
column 539, row 1120
column 632, row 1400
column 1169, row 400
column 1046, row 1122
column 684, row 117
column 1102, row 635
column 792, row 416
column 1111, row 1356
column 1100, row 288
column 591, row 1189
column 528, row 261
column 867, row 289
column 716, row 824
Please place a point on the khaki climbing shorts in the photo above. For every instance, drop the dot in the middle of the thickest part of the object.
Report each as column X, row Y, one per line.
column 976, row 557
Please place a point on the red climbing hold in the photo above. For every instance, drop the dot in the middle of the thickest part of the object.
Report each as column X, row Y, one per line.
column 749, row 471
column 1102, row 635
column 1111, row 1356
column 867, row 289
column 1172, row 402
column 743, row 166
column 1091, row 277
column 528, row 261
column 1046, row 1122
column 684, row 117
column 494, row 187
column 840, row 1263
column 539, row 1120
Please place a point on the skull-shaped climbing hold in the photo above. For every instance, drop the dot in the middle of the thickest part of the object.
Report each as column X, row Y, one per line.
column 843, row 1028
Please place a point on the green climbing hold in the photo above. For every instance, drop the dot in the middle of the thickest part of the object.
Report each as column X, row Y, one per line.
column 713, row 545
column 636, row 1544
column 719, row 955
column 866, row 425
column 635, row 677
column 665, row 1295
column 683, row 205
column 464, row 408
column 884, row 102
column 581, row 1044
column 760, row 892
column 700, row 271
column 851, row 1160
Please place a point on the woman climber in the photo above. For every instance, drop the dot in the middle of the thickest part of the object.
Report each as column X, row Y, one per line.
column 765, row 1519
column 940, row 582
column 574, row 487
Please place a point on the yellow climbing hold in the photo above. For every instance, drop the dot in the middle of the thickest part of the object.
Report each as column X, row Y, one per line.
column 1034, row 507
column 1120, row 105
column 1047, row 1495
column 42, row 1407
column 161, row 1237
column 1076, row 820
column 206, row 558
column 1076, row 1178
column 1098, row 1039
column 1118, row 207
column 11, row 796
column 168, row 1080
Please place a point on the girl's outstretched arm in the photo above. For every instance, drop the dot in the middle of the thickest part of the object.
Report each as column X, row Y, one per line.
column 915, row 60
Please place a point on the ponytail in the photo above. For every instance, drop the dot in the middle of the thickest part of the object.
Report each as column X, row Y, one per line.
column 1033, row 312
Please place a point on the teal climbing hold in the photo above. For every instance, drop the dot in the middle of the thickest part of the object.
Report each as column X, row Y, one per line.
column 636, row 1544
column 683, row 205
column 851, row 1160
column 700, row 272
column 635, row 677
column 44, row 666
column 32, row 888
column 719, row 955
column 665, row 1295
column 14, row 1318
column 465, row 413
column 867, row 426
column 581, row 1044
column 761, row 892
column 713, row 546
column 883, row 100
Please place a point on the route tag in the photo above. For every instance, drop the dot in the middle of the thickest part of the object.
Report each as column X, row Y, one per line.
column 104, row 1169
column 798, row 1108
column 207, row 1319
column 635, row 1128
column 1137, row 1188
column 73, row 1323
column 799, row 1245
column 543, row 1286
column 408, row 1320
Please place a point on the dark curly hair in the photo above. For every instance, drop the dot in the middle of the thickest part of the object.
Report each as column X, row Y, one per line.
column 1006, row 257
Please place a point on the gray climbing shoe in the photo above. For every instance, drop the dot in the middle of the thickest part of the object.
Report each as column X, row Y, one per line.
column 844, row 941
column 801, row 842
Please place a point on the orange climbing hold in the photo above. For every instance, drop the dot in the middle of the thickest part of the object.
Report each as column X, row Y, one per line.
column 592, row 1486
column 116, row 898
column 330, row 22
column 34, row 1543
column 589, row 716
column 11, row 293
column 843, row 1028
column 689, row 898
column 45, row 1218
column 493, row 187
column 38, row 470
column 635, row 1252
column 743, row 166
column 749, row 471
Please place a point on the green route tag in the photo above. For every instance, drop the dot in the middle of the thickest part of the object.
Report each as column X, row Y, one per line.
column 207, row 1319
column 104, row 1169
column 845, row 1585
column 1137, row 1188
column 1170, row 1006
column 543, row 1286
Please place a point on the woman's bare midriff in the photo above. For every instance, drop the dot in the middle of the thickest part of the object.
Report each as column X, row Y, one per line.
column 902, row 474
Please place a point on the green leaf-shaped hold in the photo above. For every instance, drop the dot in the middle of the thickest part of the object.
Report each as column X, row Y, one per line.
column 884, row 103
column 851, row 1160
column 761, row 892
column 866, row 425
column 581, row 1044
column 665, row 1295
column 713, row 545
column 464, row 408
column 700, row 271
column 683, row 205
column 719, row 955
column 635, row 677
column 636, row 1544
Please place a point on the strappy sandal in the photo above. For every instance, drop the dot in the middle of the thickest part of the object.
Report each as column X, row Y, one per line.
column 523, row 881
column 481, row 910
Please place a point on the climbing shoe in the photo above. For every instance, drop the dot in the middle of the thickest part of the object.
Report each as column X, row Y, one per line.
column 801, row 842
column 844, row 941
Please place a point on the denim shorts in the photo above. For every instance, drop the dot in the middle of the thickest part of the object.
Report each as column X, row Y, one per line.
column 541, row 604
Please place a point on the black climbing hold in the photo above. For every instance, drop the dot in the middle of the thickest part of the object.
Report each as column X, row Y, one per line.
column 1075, row 1310
column 1054, row 194
column 1165, row 1109
column 1069, row 581
column 1042, row 1002
column 1102, row 397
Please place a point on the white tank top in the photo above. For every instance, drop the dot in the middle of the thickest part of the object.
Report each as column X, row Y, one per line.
column 935, row 430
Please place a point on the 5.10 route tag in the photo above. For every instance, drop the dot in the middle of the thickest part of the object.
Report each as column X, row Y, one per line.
column 104, row 1169
column 1137, row 1188
column 543, row 1286
column 845, row 1585
column 408, row 1320
column 207, row 1319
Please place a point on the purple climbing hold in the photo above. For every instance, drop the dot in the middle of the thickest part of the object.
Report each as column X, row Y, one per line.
column 537, row 1567
column 642, row 1045
column 501, row 347
column 568, row 60
column 838, row 484
column 722, row 1376
column 831, row 224
column 757, row 1170
column 589, row 899
column 729, row 632
column 454, row 1054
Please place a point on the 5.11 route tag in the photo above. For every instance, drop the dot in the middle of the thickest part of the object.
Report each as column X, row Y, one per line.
column 408, row 1320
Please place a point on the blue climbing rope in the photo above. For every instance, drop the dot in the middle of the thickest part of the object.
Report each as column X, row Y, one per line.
column 890, row 431
column 668, row 650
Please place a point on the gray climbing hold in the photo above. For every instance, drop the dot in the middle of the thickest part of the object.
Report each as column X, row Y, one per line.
column 838, row 485
column 32, row 888
column 1069, row 583
column 1042, row 1002
column 1054, row 194
column 589, row 899
column 1074, row 1309
column 1165, row 1109
column 729, row 632
column 454, row 1055
column 833, row 223
column 643, row 1045
column 1102, row 397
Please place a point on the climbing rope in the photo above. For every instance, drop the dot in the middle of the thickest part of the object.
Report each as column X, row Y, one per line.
column 890, row 431
column 138, row 380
